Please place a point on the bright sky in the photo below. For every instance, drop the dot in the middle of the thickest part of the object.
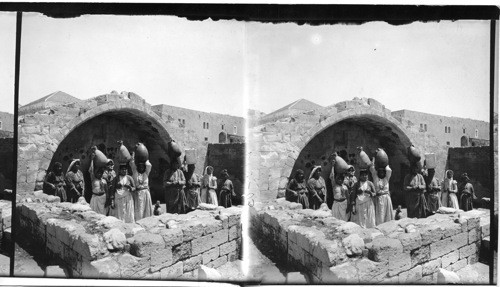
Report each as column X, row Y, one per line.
column 165, row 60
column 439, row 68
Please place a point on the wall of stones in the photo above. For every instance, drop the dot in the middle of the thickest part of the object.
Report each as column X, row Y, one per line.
column 91, row 245
column 436, row 126
column 475, row 161
column 275, row 147
column 230, row 157
column 332, row 251
column 7, row 121
column 7, row 166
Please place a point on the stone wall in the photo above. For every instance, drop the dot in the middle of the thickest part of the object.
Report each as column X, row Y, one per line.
column 475, row 161
column 230, row 157
column 7, row 166
column 331, row 251
column 91, row 245
column 274, row 148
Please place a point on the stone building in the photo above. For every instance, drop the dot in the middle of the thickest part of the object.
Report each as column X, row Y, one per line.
column 303, row 140
column 450, row 131
column 68, row 130
column 6, row 123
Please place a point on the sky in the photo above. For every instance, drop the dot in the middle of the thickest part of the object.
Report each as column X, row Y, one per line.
column 229, row 66
column 439, row 68
column 163, row 59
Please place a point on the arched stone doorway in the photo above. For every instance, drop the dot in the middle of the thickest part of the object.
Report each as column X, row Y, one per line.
column 464, row 141
column 344, row 136
column 67, row 133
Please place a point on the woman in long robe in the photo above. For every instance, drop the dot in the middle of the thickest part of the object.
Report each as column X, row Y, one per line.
column 99, row 189
column 363, row 212
column 414, row 187
column 173, row 183
column 466, row 193
column 122, row 201
column 143, row 204
column 340, row 199
column 349, row 181
column 433, row 189
column 297, row 188
column 449, row 191
column 209, row 185
column 54, row 183
column 317, row 188
column 192, row 188
column 75, row 181
column 109, row 175
column 382, row 199
column 226, row 191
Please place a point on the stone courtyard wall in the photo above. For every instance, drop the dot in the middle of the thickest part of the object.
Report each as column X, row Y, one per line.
column 476, row 162
column 407, row 251
column 91, row 245
column 275, row 147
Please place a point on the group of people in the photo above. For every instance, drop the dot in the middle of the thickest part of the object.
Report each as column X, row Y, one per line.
column 128, row 197
column 368, row 203
column 185, row 189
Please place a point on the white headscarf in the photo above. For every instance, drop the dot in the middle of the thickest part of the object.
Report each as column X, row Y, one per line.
column 313, row 171
column 71, row 164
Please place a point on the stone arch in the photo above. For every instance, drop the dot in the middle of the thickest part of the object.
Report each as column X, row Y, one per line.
column 359, row 113
column 56, row 126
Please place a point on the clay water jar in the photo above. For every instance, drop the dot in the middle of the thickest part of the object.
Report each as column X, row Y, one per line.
column 381, row 159
column 340, row 165
column 365, row 159
column 123, row 154
column 141, row 153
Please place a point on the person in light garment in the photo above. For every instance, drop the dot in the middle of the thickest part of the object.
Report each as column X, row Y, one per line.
column 433, row 189
column 296, row 189
column 122, row 201
column 143, row 204
column 99, row 188
column 382, row 199
column 75, row 181
column 340, row 199
column 317, row 188
column 364, row 210
column 449, row 191
column 209, row 185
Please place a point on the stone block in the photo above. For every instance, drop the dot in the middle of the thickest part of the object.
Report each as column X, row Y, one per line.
column 209, row 241
column 192, row 263
column 485, row 226
column 420, row 255
column 210, row 255
column 369, row 234
column 429, row 279
column 410, row 241
column 431, row 266
column 227, row 247
column 458, row 265
column 114, row 239
column 144, row 244
column 329, row 252
column 474, row 235
column 383, row 249
column 449, row 244
column 100, row 269
column 468, row 250
column 192, row 230
column 474, row 258
column 172, row 236
column 181, row 251
column 89, row 246
column 173, row 271
column 234, row 232
column 233, row 256
column 218, row 262
column 353, row 245
column 431, row 234
column 473, row 218
column 370, row 271
column 399, row 263
column 449, row 258
column 208, row 274
column 411, row 276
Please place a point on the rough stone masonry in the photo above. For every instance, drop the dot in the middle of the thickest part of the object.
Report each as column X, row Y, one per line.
column 408, row 251
column 91, row 245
